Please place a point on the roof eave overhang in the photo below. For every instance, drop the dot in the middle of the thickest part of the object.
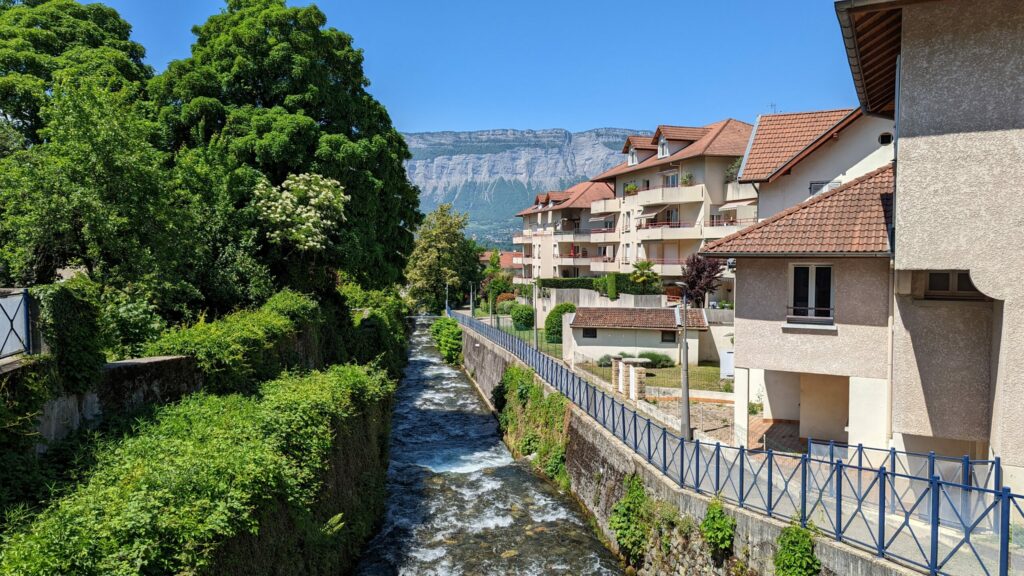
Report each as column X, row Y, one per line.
column 815, row 144
column 796, row 254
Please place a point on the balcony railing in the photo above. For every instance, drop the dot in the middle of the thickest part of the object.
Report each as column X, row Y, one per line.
column 671, row 195
column 643, row 225
column 734, row 222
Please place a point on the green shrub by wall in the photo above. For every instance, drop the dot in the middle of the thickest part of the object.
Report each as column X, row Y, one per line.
column 534, row 423
column 179, row 495
column 241, row 349
column 506, row 306
column 580, row 283
column 794, row 555
column 553, row 323
column 448, row 338
column 522, row 316
column 658, row 360
column 630, row 520
column 69, row 322
column 717, row 529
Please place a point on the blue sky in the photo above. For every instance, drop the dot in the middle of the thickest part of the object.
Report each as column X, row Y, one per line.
column 468, row 65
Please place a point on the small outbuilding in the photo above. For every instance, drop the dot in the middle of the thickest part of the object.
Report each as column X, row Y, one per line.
column 596, row 332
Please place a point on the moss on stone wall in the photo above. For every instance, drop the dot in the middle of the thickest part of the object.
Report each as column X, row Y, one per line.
column 534, row 424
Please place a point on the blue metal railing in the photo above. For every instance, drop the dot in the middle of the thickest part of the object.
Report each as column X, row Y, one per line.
column 931, row 524
column 15, row 331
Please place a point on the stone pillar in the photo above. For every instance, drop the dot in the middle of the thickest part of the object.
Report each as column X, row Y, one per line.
column 637, row 377
column 616, row 381
column 623, row 376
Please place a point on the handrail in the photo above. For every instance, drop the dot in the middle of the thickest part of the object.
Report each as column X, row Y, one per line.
column 900, row 510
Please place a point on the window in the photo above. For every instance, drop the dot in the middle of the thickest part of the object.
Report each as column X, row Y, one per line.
column 951, row 284
column 625, row 257
column 810, row 294
column 885, row 138
column 668, row 336
column 590, row 332
column 670, row 180
column 821, row 186
column 632, row 156
column 662, row 147
column 625, row 223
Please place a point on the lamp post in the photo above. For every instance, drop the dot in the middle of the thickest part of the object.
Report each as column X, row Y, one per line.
column 684, row 364
column 445, row 298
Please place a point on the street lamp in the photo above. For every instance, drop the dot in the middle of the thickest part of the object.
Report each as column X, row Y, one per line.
column 684, row 363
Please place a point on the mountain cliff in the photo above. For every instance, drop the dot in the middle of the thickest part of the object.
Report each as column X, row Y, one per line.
column 492, row 174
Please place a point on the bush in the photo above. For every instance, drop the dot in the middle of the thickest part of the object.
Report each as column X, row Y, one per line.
column 241, row 349
column 506, row 307
column 606, row 360
column 718, row 529
column 658, row 360
column 522, row 316
column 631, row 520
column 534, row 423
column 69, row 321
column 505, row 297
column 794, row 555
column 611, row 285
column 553, row 323
column 583, row 283
column 448, row 337
column 210, row 469
column 380, row 329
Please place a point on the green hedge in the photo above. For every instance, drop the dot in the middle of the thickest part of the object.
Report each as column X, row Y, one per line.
column 582, row 282
column 379, row 323
column 553, row 323
column 241, row 349
column 205, row 471
column 448, row 337
column 69, row 322
column 522, row 316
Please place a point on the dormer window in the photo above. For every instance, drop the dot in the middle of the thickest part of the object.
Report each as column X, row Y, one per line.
column 662, row 147
column 632, row 156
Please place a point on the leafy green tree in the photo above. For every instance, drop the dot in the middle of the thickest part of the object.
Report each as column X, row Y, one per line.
column 643, row 274
column 41, row 40
column 702, row 276
column 271, row 88
column 95, row 195
column 443, row 256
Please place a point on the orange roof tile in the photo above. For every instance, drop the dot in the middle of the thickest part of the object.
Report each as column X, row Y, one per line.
column 580, row 195
column 853, row 219
column 641, row 318
column 781, row 138
column 638, row 142
column 723, row 138
column 690, row 133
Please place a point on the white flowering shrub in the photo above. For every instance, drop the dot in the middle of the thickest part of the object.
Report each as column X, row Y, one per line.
column 302, row 212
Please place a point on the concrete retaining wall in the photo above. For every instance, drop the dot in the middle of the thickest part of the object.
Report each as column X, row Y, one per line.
column 598, row 463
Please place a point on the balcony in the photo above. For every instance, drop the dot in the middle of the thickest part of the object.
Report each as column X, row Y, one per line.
column 668, row 266
column 734, row 191
column 611, row 205
column 668, row 230
column 576, row 259
column 575, row 235
column 522, row 280
column 518, row 259
column 716, row 230
column 604, row 235
column 676, row 195
column 604, row 264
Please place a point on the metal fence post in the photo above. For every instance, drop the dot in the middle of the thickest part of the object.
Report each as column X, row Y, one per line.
column 892, row 468
column 1004, row 532
column 664, row 451
column 743, row 452
column 965, row 490
column 696, row 462
column 771, row 465
column 860, row 466
column 880, row 549
column 635, row 443
column 803, row 491
column 837, row 483
column 648, row 428
column 718, row 468
column 933, row 560
column 682, row 462
column 931, row 464
column 999, row 473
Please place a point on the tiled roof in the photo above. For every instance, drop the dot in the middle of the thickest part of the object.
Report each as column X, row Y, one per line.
column 639, row 142
column 723, row 138
column 505, row 259
column 642, row 318
column 781, row 138
column 690, row 133
column 581, row 195
column 852, row 219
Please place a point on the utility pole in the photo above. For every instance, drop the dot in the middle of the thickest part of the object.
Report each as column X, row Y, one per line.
column 472, row 301
column 536, row 341
column 684, row 364
column 445, row 298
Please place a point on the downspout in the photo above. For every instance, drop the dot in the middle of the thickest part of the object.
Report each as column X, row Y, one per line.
column 891, row 352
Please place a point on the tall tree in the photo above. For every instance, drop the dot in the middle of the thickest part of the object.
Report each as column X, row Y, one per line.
column 702, row 276
column 271, row 88
column 41, row 39
column 443, row 257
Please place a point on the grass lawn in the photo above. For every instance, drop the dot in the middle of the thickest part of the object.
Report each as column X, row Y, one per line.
column 702, row 377
column 548, row 348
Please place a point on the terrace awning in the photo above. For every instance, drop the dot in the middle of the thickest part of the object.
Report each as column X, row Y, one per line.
column 650, row 212
column 736, row 204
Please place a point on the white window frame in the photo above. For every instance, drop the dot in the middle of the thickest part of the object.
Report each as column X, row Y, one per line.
column 826, row 185
column 632, row 156
column 662, row 147
column 812, row 277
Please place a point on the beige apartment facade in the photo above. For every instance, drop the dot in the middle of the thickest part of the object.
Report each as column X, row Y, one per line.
column 957, row 95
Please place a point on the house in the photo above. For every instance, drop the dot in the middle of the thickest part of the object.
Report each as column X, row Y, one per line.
column 794, row 156
column 812, row 321
column 510, row 262
column 596, row 332
column 956, row 93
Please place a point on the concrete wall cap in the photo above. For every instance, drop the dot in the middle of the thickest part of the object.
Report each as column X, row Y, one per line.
column 638, row 361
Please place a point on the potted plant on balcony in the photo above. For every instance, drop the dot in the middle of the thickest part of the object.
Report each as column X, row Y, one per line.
column 686, row 179
column 631, row 189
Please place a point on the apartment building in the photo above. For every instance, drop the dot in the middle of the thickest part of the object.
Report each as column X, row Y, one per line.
column 559, row 239
column 794, row 156
column 669, row 196
column 890, row 309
